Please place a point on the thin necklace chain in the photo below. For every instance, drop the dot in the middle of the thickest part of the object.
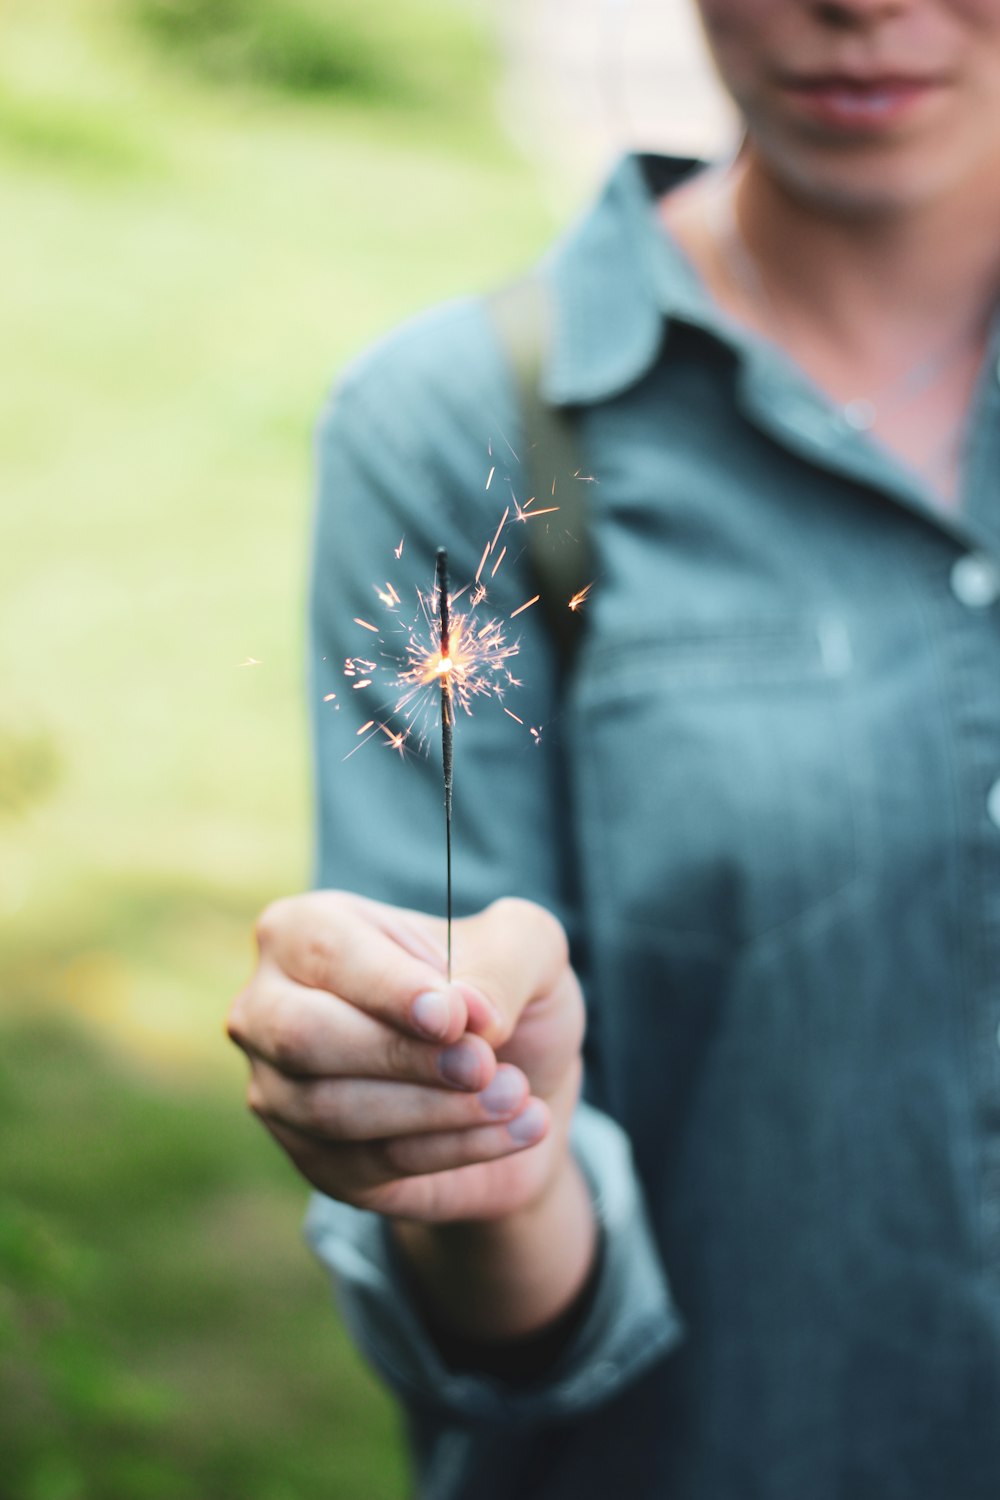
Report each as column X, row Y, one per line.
column 864, row 411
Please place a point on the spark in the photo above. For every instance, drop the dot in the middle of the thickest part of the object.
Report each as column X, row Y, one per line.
column 510, row 445
column 329, row 697
column 489, row 480
column 413, row 667
column 369, row 731
column 394, row 739
column 399, row 550
column 524, row 512
column 251, row 661
column 471, row 668
column 503, row 522
column 445, row 668
column 578, row 599
column 420, row 674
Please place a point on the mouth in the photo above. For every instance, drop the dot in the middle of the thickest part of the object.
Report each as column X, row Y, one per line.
column 860, row 106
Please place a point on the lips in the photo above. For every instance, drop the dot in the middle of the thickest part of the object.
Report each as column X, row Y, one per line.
column 860, row 105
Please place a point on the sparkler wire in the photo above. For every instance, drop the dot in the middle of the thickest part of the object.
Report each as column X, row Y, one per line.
column 447, row 716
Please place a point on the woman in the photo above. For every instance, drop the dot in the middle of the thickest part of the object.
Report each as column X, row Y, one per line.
column 766, row 812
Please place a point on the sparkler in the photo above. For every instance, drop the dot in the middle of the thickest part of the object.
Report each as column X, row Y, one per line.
column 444, row 659
column 445, row 667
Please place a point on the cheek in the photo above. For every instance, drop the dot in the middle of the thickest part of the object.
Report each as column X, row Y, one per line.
column 736, row 32
column 744, row 19
column 981, row 13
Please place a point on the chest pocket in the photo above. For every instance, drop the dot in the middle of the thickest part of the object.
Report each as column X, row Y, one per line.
column 715, row 769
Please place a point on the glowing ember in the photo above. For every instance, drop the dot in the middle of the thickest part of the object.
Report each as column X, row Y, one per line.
column 423, row 675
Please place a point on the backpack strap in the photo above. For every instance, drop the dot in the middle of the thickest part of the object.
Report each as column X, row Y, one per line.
column 558, row 544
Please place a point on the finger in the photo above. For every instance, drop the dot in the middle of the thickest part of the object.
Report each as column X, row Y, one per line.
column 360, row 1109
column 352, row 1171
column 513, row 953
column 307, row 1033
column 368, row 955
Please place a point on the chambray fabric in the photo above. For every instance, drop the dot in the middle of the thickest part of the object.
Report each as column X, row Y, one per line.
column 766, row 804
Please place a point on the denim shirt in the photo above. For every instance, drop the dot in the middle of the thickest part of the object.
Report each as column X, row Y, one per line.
column 766, row 805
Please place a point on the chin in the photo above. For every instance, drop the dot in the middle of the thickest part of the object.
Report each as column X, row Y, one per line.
column 859, row 184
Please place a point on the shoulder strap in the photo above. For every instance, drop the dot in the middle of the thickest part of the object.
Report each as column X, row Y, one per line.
column 558, row 544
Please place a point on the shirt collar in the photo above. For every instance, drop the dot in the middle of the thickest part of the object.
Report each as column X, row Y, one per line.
column 616, row 279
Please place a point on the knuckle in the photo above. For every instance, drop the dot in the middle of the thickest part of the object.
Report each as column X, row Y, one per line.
column 319, row 959
column 576, row 1009
column 236, row 1020
column 509, row 908
column 290, row 1041
column 553, row 934
column 324, row 1112
column 269, row 922
column 395, row 1157
column 384, row 978
column 545, row 928
column 399, row 1055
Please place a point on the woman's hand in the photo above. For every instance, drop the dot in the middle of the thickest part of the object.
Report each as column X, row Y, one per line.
column 392, row 1089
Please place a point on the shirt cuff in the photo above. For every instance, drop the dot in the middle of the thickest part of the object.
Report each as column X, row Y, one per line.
column 631, row 1323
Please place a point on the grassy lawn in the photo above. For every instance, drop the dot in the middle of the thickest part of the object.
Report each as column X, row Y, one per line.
column 192, row 248
column 162, row 1333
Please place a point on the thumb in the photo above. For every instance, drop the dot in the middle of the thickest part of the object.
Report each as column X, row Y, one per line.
column 505, row 957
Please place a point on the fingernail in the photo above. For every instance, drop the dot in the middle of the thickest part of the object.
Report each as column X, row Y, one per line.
column 529, row 1126
column 503, row 1093
column 460, row 1065
column 431, row 1014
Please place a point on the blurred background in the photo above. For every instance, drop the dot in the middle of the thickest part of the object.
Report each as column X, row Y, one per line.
column 207, row 206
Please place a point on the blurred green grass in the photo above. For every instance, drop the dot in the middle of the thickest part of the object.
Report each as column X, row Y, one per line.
column 162, row 1332
column 190, row 252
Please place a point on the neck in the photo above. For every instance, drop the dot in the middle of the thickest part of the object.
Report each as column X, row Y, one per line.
column 906, row 276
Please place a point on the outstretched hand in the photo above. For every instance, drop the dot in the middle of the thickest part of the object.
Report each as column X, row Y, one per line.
column 390, row 1088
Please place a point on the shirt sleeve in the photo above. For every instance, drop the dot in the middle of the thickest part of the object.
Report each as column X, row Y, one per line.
column 418, row 449
column 631, row 1321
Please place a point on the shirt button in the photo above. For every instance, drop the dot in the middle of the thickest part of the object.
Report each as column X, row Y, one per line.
column 975, row 580
column 993, row 803
column 859, row 414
